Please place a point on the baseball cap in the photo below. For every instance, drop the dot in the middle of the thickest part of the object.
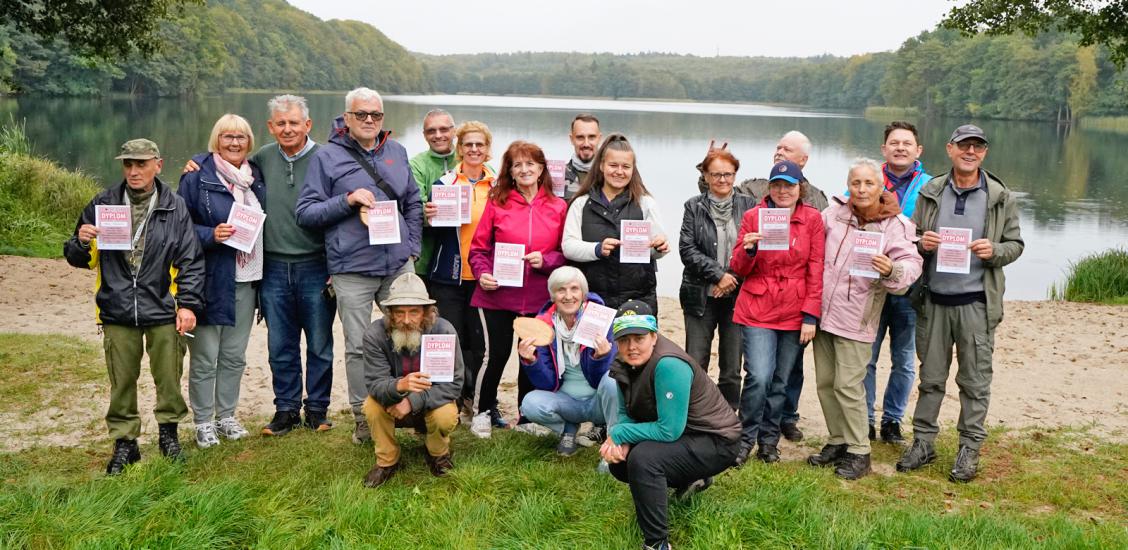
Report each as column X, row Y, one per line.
column 787, row 171
column 968, row 131
column 139, row 149
column 634, row 317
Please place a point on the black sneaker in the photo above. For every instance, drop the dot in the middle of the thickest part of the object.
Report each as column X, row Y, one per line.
column 853, row 466
column 768, row 453
column 966, row 466
column 872, row 433
column 567, row 445
column 791, row 431
column 125, row 453
column 497, row 421
column 922, row 452
column 742, row 455
column 891, row 433
column 316, row 421
column 828, row 456
column 169, row 441
column 282, row 423
column 688, row 491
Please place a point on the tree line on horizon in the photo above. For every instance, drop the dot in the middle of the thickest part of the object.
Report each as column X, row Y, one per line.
column 271, row 45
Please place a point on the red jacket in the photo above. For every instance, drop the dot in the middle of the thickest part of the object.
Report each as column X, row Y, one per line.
column 539, row 227
column 780, row 286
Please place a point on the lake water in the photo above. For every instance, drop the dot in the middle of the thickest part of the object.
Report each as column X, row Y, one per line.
column 1072, row 187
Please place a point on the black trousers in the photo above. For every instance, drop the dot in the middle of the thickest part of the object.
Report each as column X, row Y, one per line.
column 652, row 467
column 453, row 302
column 699, row 342
column 499, row 334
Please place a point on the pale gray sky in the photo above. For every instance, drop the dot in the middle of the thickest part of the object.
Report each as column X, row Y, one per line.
column 786, row 28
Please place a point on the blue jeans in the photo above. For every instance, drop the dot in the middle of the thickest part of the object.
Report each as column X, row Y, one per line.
column 793, row 389
column 899, row 317
column 555, row 409
column 769, row 357
column 293, row 301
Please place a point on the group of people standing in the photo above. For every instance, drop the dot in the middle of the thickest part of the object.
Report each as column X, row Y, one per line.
column 768, row 285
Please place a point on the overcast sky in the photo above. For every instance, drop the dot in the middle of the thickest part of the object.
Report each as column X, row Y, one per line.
column 785, row 28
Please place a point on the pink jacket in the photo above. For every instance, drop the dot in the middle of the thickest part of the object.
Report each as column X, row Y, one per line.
column 539, row 227
column 851, row 305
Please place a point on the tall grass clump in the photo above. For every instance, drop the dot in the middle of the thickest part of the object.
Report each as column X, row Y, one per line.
column 39, row 200
column 1100, row 278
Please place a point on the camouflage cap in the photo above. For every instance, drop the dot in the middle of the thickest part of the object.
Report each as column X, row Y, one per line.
column 139, row 149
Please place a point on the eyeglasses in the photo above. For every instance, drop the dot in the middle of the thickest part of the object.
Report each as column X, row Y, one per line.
column 722, row 176
column 377, row 116
column 975, row 146
column 473, row 145
column 437, row 130
column 233, row 138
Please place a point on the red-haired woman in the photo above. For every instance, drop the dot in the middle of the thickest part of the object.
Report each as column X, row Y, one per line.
column 521, row 210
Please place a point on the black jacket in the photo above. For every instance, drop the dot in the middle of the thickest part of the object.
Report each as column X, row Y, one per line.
column 611, row 279
column 171, row 273
column 698, row 247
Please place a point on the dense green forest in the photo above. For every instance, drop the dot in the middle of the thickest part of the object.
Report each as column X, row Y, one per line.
column 271, row 45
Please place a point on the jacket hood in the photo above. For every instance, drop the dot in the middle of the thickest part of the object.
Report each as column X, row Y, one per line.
column 339, row 134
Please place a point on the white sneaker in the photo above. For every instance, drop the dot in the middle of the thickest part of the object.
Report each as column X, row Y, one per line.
column 205, row 435
column 532, row 428
column 480, row 426
column 231, row 428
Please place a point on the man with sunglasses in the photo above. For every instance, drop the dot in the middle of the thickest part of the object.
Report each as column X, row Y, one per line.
column 960, row 306
column 357, row 167
column 427, row 167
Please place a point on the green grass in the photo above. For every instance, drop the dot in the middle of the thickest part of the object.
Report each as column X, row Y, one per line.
column 39, row 201
column 33, row 378
column 892, row 113
column 1100, row 278
column 1117, row 124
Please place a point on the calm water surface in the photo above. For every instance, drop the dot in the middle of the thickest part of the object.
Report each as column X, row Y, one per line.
column 1072, row 187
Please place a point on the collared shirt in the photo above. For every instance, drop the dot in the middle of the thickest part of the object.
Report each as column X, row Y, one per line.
column 309, row 144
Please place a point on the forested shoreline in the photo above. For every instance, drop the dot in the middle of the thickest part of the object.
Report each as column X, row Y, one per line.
column 272, row 45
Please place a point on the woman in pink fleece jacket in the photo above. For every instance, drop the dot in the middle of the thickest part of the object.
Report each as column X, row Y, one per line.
column 521, row 210
column 870, row 252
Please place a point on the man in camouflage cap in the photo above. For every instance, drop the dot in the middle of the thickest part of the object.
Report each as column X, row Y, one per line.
column 150, row 287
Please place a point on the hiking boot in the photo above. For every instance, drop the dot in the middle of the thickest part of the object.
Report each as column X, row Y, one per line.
column 125, row 453
column 853, row 466
column 688, row 491
column 768, row 453
column 891, row 433
column 480, row 426
column 379, row 474
column 791, row 431
column 316, row 421
column 206, row 436
column 595, row 436
column 497, row 421
column 966, row 465
column 361, row 433
column 872, row 433
column 230, row 428
column 828, row 456
column 742, row 455
column 922, row 452
column 169, row 441
column 282, row 423
column 439, row 465
column 567, row 445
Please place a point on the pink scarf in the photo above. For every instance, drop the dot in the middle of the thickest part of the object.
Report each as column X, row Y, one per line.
column 238, row 181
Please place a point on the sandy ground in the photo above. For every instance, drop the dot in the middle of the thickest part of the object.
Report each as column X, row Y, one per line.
column 1056, row 364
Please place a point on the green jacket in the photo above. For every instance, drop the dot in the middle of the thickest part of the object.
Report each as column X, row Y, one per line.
column 1001, row 229
column 427, row 167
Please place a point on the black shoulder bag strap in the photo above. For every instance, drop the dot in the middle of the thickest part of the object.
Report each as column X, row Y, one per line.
column 380, row 183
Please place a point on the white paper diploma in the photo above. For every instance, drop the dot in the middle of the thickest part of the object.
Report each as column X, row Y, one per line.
column 448, row 199
column 115, row 227
column 509, row 264
column 248, row 225
column 466, row 203
column 954, row 256
column 437, row 356
column 634, row 241
column 556, row 172
column 594, row 323
column 867, row 244
column 383, row 223
column 775, row 229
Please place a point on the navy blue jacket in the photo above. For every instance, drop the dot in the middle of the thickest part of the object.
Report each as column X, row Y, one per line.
column 323, row 203
column 209, row 202
column 542, row 372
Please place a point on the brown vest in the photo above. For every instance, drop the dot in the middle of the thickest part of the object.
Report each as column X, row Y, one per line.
column 708, row 411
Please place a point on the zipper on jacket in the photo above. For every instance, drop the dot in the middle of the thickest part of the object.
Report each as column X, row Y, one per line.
column 528, row 269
